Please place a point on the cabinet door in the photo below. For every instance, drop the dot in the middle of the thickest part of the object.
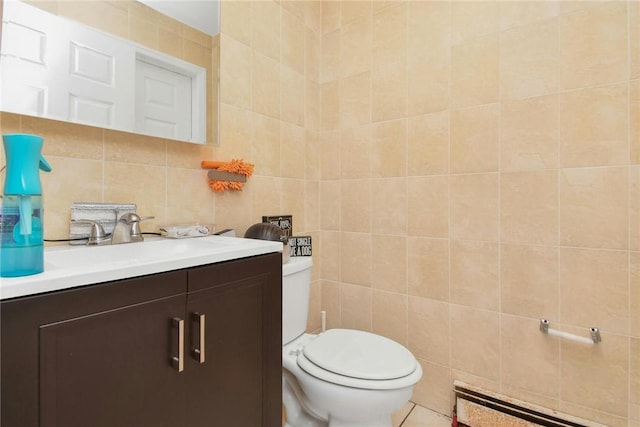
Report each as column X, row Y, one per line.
column 64, row 353
column 239, row 381
column 113, row 368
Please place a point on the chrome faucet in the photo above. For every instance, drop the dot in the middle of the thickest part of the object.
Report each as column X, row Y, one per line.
column 126, row 230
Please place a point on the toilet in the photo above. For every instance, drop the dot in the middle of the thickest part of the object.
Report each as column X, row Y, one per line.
column 340, row 377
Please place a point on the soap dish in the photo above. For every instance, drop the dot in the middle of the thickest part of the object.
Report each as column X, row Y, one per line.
column 183, row 231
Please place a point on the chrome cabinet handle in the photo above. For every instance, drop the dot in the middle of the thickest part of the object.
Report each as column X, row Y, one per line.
column 197, row 351
column 178, row 361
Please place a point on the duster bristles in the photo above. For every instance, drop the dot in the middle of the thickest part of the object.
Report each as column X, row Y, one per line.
column 234, row 166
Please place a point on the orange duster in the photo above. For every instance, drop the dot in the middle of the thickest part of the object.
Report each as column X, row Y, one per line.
column 236, row 166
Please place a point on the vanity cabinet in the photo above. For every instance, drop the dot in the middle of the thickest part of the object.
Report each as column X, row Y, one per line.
column 108, row 355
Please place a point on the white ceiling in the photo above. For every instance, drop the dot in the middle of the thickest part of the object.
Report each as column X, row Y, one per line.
column 201, row 14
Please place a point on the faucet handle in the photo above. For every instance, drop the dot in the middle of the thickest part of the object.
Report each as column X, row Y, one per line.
column 134, row 220
column 97, row 236
column 129, row 218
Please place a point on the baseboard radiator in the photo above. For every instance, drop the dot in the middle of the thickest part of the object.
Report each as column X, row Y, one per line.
column 476, row 407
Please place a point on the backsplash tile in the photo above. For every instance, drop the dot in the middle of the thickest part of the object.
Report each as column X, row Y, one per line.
column 355, row 46
column 474, row 139
column 389, row 144
column 389, row 258
column 593, row 45
column 428, row 268
column 475, row 274
column 428, row 144
column 428, row 206
column 529, row 281
column 594, row 126
column 474, row 207
column 355, row 205
column 537, row 351
column 352, row 299
column 388, row 207
column 355, row 153
column 594, row 207
column 475, row 71
column 428, row 64
column 529, row 60
column 596, row 379
column 359, row 248
column 476, row 349
column 529, row 134
column 389, row 315
column 429, row 330
column 265, row 23
column 529, row 207
column 64, row 140
column 606, row 274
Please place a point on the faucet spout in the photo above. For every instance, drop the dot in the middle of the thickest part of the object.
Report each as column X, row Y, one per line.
column 121, row 233
column 127, row 229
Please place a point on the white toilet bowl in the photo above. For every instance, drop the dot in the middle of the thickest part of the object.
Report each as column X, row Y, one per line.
column 315, row 397
column 341, row 377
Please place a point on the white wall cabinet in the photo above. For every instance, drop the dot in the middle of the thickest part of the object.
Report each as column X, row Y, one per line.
column 55, row 68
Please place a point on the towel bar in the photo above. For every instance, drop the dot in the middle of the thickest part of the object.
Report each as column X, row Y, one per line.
column 595, row 333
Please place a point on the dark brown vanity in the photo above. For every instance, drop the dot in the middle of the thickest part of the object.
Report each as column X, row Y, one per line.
column 198, row 346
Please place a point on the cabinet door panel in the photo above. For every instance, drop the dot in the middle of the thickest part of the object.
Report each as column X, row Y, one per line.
column 113, row 368
column 240, row 381
column 227, row 387
column 21, row 319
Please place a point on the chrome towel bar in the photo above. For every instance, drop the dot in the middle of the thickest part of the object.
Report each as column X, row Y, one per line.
column 595, row 333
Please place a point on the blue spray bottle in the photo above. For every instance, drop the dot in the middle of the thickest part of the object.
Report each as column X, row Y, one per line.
column 21, row 217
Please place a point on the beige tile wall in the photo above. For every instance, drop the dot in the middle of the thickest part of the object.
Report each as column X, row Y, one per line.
column 478, row 172
column 162, row 177
column 270, row 115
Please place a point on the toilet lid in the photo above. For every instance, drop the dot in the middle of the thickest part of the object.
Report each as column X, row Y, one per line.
column 359, row 354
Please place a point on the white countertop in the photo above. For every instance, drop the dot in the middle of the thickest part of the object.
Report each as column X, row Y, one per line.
column 70, row 266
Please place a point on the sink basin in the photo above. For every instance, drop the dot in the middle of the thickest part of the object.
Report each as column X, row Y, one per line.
column 70, row 266
column 134, row 253
column 112, row 255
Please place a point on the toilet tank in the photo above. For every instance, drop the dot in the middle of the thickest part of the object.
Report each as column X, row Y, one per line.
column 296, row 287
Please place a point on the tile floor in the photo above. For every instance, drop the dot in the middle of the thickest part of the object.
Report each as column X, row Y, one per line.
column 413, row 415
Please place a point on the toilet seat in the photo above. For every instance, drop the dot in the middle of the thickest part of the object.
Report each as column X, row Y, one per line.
column 359, row 359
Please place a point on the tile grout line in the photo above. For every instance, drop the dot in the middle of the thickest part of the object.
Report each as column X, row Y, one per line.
column 407, row 416
column 629, row 219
